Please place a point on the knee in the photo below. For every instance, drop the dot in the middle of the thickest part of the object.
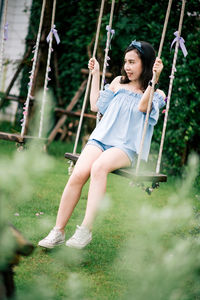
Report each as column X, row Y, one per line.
column 98, row 169
column 78, row 177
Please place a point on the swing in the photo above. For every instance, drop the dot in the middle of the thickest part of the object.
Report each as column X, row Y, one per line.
column 128, row 172
column 22, row 138
column 133, row 174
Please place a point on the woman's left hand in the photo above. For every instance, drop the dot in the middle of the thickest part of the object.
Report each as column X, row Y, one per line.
column 157, row 68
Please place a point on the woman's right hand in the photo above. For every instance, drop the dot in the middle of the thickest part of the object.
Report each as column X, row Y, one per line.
column 93, row 65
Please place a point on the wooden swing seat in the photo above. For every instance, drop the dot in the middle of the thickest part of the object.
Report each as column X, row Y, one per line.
column 18, row 138
column 129, row 172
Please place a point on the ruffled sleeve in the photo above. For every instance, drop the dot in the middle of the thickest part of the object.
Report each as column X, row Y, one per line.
column 157, row 103
column 104, row 99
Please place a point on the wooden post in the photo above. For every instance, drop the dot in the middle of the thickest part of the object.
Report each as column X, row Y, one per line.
column 62, row 120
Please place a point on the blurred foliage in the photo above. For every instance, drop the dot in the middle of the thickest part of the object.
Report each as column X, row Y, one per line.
column 150, row 250
column 161, row 259
column 141, row 20
column 19, row 180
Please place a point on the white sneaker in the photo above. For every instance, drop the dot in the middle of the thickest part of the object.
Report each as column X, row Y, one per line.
column 54, row 238
column 81, row 238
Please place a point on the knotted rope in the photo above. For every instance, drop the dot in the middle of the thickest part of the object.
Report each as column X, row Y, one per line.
column 53, row 32
column 179, row 41
column 88, row 85
column 32, row 73
column 110, row 33
column 152, row 89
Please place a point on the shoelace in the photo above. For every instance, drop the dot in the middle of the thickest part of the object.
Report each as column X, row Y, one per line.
column 51, row 238
column 79, row 234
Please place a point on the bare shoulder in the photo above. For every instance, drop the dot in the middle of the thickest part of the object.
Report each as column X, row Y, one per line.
column 160, row 92
column 114, row 83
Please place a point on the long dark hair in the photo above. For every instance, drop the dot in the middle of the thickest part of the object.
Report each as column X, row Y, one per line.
column 147, row 55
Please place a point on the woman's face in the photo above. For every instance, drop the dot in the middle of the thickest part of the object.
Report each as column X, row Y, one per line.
column 133, row 65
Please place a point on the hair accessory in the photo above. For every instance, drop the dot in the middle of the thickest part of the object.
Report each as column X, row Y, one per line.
column 137, row 45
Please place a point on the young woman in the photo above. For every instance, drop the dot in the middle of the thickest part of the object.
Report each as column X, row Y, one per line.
column 115, row 141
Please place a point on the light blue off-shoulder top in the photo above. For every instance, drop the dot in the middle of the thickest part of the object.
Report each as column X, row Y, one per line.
column 122, row 122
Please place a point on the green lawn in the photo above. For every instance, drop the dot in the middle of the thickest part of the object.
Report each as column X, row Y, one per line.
column 140, row 244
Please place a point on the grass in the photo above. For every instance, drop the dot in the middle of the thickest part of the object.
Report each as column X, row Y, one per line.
column 92, row 273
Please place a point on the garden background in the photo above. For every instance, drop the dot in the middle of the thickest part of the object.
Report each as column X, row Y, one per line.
column 76, row 24
column 144, row 247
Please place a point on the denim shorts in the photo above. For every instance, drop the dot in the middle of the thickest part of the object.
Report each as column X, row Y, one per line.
column 130, row 153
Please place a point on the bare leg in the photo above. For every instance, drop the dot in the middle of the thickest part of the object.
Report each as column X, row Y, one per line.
column 72, row 191
column 108, row 161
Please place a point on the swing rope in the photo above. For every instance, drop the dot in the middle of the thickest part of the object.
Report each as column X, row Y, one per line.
column 108, row 41
column 106, row 52
column 107, row 44
column 152, row 89
column 87, row 86
column 152, row 93
column 3, row 38
column 26, row 107
column 48, row 69
column 170, row 87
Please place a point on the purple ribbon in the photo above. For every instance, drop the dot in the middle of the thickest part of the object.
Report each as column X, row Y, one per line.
column 55, row 33
column 6, row 32
column 112, row 31
column 181, row 43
